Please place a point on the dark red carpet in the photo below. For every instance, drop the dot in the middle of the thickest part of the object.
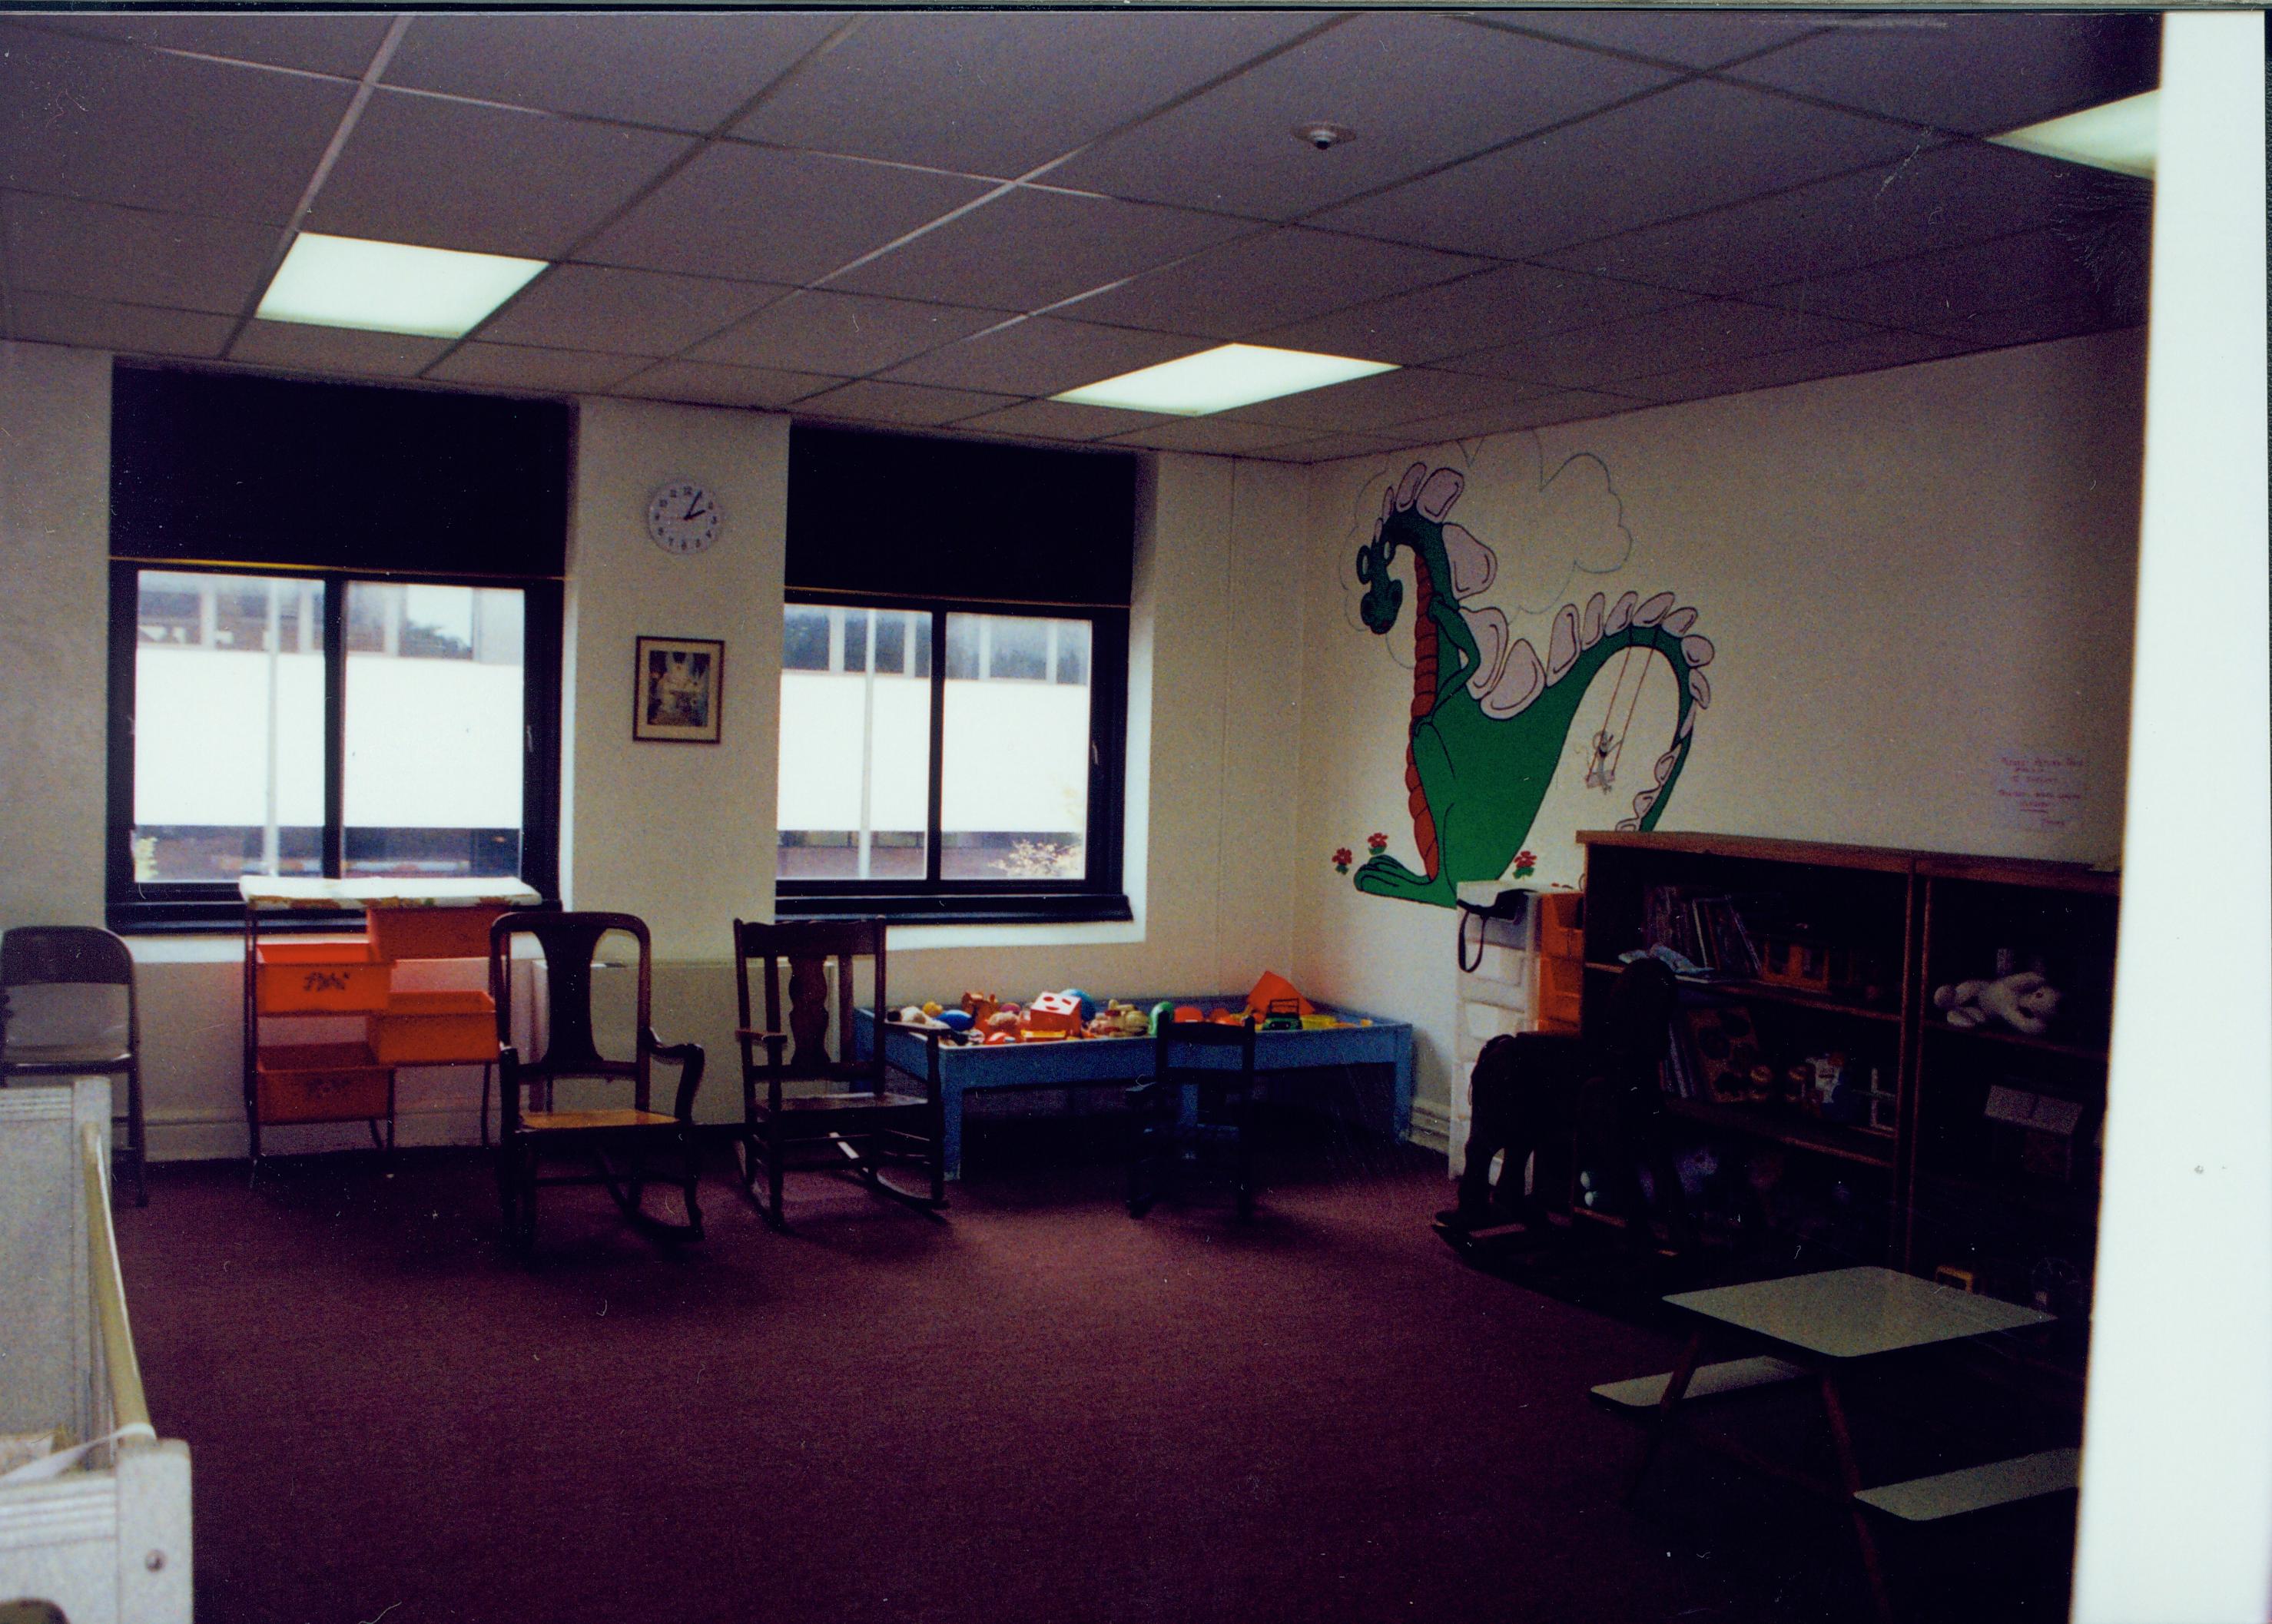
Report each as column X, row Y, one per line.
column 1038, row 1410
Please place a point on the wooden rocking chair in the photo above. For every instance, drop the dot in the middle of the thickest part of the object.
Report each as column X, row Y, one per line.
column 620, row 1144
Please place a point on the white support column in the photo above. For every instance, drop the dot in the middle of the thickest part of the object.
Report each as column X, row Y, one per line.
column 2176, row 1523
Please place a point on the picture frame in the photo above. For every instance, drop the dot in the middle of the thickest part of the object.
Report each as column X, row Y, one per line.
column 677, row 685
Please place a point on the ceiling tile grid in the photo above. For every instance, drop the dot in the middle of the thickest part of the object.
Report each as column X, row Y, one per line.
column 988, row 93
column 1540, row 215
column 1417, row 90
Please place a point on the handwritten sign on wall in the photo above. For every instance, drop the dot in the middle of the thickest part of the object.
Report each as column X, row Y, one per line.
column 2039, row 791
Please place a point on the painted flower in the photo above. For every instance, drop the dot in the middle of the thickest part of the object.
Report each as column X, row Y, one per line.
column 1526, row 864
column 1378, row 842
column 1341, row 860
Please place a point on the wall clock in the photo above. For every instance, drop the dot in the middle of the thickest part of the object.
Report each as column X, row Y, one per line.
column 682, row 516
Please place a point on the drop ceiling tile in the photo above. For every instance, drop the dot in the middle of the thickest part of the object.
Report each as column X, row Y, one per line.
column 121, row 124
column 491, row 180
column 335, row 349
column 1384, row 400
column 998, row 92
column 1969, row 72
column 1499, row 306
column 1027, row 249
column 1870, row 354
column 1267, row 280
column 848, row 334
column 1949, row 195
column 1931, row 291
column 1062, row 420
column 1217, row 435
column 511, row 366
column 679, row 71
column 1690, row 335
column 1043, row 356
column 2038, row 323
column 124, row 329
column 867, row 401
column 1688, row 38
column 102, row 251
column 1692, row 147
column 1417, row 90
column 624, row 312
column 1562, row 405
column 1329, row 448
column 336, row 44
column 739, row 210
column 713, row 385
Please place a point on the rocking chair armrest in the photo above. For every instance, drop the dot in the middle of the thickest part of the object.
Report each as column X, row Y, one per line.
column 928, row 1075
column 749, row 1033
column 690, row 1060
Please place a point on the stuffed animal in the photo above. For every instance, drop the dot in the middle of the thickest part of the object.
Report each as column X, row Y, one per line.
column 2025, row 1003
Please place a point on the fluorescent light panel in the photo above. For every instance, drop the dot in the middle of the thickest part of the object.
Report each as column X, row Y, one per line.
column 1217, row 380
column 437, row 293
column 2118, row 135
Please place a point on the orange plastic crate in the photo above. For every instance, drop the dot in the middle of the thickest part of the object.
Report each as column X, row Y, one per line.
column 321, row 1083
column 436, row 1028
column 429, row 933
column 313, row 978
column 1560, row 984
column 1562, row 925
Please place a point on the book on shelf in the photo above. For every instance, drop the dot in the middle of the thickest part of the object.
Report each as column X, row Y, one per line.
column 1706, row 927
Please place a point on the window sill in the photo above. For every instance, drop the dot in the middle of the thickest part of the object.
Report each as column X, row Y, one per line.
column 1028, row 908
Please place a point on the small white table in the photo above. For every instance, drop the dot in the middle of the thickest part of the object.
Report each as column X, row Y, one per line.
column 1818, row 1324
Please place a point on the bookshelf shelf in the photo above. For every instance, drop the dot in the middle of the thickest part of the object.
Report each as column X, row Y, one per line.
column 2018, row 1041
column 2011, row 1202
column 1784, row 1127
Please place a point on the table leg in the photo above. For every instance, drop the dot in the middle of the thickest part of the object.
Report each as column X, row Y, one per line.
column 1849, row 1474
column 950, row 1104
column 1676, row 1388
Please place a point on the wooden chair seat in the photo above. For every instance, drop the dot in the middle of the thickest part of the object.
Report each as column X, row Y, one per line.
column 807, row 1104
column 804, row 1107
column 587, row 1121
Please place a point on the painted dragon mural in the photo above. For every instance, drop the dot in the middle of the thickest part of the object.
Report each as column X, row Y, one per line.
column 1489, row 716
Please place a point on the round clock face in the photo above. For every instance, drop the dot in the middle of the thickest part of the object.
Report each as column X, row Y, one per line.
column 682, row 516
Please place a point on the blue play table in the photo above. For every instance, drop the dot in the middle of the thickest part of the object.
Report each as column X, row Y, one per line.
column 1383, row 1050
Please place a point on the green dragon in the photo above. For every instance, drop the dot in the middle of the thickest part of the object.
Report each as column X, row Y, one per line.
column 1488, row 717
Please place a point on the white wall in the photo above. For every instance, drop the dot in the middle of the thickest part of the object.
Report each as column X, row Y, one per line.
column 54, row 539
column 1903, row 575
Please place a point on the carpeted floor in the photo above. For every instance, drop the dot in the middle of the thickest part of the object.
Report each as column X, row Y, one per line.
column 1035, row 1411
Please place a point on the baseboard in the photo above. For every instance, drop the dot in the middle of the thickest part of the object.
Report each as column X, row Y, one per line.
column 1431, row 1126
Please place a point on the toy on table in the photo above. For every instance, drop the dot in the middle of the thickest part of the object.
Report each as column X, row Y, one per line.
column 1273, row 990
column 979, row 1006
column 1049, row 1016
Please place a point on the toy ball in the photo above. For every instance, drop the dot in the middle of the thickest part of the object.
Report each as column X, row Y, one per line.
column 956, row 1020
column 934, row 1009
column 1189, row 1012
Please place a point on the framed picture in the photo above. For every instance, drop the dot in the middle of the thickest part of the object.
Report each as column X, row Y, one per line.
column 679, row 686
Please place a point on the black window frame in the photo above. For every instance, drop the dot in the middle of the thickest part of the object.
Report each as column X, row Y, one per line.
column 1099, row 896
column 184, row 905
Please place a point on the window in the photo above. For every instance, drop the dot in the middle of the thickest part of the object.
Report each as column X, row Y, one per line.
column 954, row 685
column 311, row 724
column 370, row 685
column 986, row 787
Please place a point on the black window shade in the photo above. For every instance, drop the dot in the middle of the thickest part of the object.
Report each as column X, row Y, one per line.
column 232, row 468
column 896, row 516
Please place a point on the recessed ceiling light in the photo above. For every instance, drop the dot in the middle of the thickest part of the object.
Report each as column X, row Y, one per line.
column 1217, row 380
column 2118, row 135
column 390, row 286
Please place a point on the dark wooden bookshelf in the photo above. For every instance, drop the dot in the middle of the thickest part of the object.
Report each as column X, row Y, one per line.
column 1958, row 1189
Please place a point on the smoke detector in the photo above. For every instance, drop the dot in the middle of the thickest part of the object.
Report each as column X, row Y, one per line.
column 1320, row 134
